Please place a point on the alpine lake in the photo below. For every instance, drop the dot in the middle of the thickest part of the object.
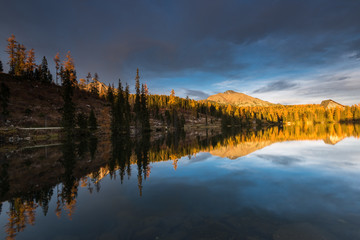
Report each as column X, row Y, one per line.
column 295, row 182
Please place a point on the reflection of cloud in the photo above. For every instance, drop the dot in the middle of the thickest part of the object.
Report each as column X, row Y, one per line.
column 200, row 157
column 276, row 86
column 282, row 160
column 342, row 157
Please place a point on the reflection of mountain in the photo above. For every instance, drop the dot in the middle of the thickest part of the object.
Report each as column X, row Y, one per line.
column 38, row 168
column 28, row 177
column 333, row 139
column 246, row 143
column 239, row 150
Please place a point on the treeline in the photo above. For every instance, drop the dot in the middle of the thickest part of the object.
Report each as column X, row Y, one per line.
column 311, row 113
column 136, row 110
column 124, row 113
column 22, row 62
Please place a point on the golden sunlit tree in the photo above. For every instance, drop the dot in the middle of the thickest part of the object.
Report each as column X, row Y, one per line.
column 30, row 64
column 82, row 83
column 11, row 49
column 20, row 56
column 146, row 89
column 69, row 67
column 172, row 99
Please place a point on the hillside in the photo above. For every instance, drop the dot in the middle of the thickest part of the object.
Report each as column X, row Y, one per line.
column 34, row 104
column 238, row 99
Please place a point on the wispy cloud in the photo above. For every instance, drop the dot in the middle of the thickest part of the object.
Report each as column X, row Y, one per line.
column 339, row 85
column 276, row 86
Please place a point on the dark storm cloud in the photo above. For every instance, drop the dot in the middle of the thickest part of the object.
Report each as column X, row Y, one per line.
column 196, row 94
column 169, row 38
column 276, row 86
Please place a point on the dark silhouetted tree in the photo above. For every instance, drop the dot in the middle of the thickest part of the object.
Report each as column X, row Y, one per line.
column 127, row 110
column 44, row 72
column 145, row 116
column 4, row 98
column 94, row 85
column 68, row 111
column 88, row 79
column 69, row 67
column 137, row 106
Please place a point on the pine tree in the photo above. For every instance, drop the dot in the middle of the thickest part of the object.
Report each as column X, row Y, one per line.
column 30, row 64
column 94, row 85
column 145, row 121
column 69, row 67
column 127, row 111
column 88, row 79
column 4, row 98
column 20, row 56
column 337, row 114
column 57, row 66
column 11, row 49
column 146, row 89
column 44, row 72
column 1, row 67
column 172, row 100
column 111, row 99
column 82, row 83
column 68, row 111
column 110, row 95
column 119, row 109
column 137, row 105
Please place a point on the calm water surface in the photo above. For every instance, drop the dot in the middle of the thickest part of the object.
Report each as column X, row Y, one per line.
column 264, row 185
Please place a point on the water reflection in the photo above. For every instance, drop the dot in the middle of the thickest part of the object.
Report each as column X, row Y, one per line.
column 30, row 178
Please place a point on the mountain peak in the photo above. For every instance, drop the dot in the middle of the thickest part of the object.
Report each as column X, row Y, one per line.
column 229, row 91
column 237, row 99
column 331, row 104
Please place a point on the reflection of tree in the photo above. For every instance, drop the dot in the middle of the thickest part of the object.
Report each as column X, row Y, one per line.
column 93, row 141
column 21, row 212
column 22, row 208
column 4, row 178
column 142, row 158
column 174, row 145
column 82, row 147
column 68, row 161
column 127, row 152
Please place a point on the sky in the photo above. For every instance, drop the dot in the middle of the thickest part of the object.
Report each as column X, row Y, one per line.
column 282, row 51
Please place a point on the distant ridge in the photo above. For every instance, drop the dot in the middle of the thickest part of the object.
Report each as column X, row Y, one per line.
column 331, row 104
column 238, row 99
